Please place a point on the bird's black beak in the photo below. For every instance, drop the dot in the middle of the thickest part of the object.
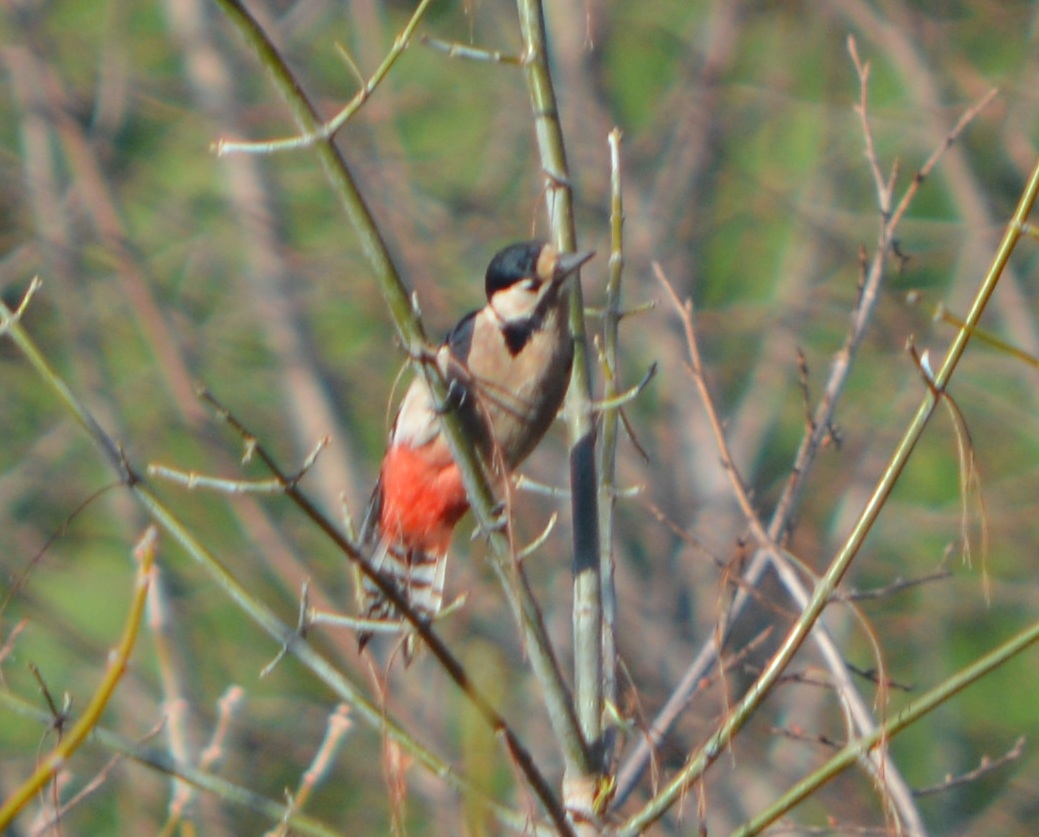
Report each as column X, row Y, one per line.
column 568, row 263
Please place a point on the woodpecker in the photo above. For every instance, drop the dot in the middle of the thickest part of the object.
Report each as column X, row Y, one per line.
column 508, row 368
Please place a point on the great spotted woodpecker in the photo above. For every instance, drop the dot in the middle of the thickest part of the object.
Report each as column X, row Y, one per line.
column 508, row 368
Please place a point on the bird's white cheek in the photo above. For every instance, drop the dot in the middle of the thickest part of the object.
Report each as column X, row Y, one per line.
column 514, row 304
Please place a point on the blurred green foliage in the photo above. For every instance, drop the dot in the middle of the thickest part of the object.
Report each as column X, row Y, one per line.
column 744, row 177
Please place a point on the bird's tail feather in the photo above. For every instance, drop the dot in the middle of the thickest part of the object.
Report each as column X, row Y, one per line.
column 418, row 576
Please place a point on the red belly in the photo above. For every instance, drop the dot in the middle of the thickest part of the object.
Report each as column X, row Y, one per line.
column 422, row 500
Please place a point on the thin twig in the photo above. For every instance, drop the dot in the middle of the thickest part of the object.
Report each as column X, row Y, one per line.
column 612, row 400
column 897, row 586
column 469, row 53
column 171, row 669
column 385, row 626
column 988, row 338
column 985, row 766
column 327, row 130
column 335, row 734
column 192, row 479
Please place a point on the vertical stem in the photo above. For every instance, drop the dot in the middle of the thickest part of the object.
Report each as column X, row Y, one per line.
column 587, row 585
column 608, row 446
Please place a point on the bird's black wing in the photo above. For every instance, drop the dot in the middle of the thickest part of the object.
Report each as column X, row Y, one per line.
column 460, row 338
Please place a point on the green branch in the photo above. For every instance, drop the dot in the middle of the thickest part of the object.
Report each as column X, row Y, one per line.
column 588, row 677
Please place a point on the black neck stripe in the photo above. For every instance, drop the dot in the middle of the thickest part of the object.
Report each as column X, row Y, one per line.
column 517, row 335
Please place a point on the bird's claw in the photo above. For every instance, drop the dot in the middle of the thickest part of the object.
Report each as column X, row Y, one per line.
column 499, row 516
column 455, row 398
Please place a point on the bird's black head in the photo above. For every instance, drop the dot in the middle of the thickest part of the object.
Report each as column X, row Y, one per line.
column 524, row 279
column 513, row 264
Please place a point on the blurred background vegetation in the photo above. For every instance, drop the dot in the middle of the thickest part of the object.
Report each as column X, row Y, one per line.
column 744, row 177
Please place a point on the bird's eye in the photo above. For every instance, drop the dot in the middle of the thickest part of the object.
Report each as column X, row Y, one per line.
column 529, row 284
